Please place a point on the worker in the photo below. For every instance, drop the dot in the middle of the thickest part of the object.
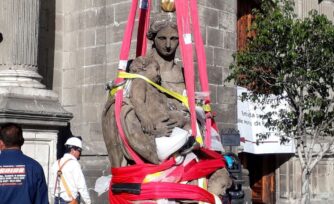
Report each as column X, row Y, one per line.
column 67, row 181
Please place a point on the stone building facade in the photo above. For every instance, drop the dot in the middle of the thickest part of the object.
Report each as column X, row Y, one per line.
column 79, row 54
column 78, row 49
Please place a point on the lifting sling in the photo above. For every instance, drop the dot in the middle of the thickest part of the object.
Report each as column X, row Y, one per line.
column 133, row 178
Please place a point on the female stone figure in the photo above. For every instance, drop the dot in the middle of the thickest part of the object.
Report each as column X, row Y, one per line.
column 163, row 33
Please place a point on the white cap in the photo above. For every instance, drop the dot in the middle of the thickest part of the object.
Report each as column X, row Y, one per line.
column 74, row 141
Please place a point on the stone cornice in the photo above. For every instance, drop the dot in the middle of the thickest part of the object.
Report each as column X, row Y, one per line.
column 26, row 107
column 326, row 0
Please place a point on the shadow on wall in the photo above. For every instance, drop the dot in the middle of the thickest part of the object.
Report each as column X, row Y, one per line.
column 63, row 134
column 46, row 41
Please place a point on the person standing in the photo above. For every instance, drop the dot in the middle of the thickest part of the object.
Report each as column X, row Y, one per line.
column 22, row 178
column 67, row 181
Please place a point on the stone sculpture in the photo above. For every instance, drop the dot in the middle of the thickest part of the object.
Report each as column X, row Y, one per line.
column 163, row 33
column 142, row 126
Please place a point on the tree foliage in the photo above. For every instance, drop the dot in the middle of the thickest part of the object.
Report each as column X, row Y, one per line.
column 293, row 59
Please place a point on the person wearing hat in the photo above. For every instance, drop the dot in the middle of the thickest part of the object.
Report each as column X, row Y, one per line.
column 67, row 182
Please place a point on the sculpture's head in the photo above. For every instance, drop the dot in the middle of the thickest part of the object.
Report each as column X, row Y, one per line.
column 163, row 33
column 147, row 67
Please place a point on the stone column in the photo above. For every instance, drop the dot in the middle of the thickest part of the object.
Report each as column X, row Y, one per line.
column 302, row 7
column 23, row 99
column 327, row 8
column 18, row 59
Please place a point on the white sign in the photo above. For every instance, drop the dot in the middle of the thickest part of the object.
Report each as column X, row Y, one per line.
column 250, row 124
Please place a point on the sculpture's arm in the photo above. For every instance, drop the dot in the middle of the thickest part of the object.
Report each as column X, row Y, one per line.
column 138, row 99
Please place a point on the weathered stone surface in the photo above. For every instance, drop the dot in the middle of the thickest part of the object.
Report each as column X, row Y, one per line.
column 93, row 93
column 113, row 52
column 223, row 57
column 95, row 55
column 70, row 41
column 98, row 3
column 215, row 75
column 121, row 11
column 115, row 33
column 69, row 78
column 94, row 74
column 208, row 16
column 226, row 71
column 209, row 55
column 228, row 21
column 213, row 93
column 71, row 22
column 100, row 36
column 41, row 145
column 101, row 15
column 87, row 38
column 227, row 5
column 216, row 38
column 225, row 113
column 230, row 41
column 71, row 96
column 227, row 95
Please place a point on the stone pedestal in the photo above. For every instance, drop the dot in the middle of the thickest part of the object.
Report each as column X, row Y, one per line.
column 23, row 99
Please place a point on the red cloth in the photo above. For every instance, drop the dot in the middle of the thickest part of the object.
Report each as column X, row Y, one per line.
column 211, row 162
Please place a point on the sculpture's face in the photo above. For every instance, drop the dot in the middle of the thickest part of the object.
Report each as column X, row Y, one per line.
column 166, row 41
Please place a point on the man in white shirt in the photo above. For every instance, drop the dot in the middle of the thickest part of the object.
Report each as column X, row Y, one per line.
column 67, row 181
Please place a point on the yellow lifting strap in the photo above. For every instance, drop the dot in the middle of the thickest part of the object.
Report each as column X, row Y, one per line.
column 183, row 99
column 126, row 75
column 114, row 90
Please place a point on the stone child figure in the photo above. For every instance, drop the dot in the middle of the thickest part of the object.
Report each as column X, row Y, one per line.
column 150, row 104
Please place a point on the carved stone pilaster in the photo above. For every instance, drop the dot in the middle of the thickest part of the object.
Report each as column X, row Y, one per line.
column 326, row 7
column 18, row 51
column 23, row 98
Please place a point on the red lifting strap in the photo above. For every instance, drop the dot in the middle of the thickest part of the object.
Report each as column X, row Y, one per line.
column 193, row 170
column 136, row 173
column 183, row 25
column 159, row 190
column 144, row 21
column 125, row 49
column 202, row 71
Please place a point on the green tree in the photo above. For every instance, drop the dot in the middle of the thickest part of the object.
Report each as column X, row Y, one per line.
column 293, row 59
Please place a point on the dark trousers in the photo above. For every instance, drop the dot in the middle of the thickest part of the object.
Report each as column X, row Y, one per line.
column 62, row 201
